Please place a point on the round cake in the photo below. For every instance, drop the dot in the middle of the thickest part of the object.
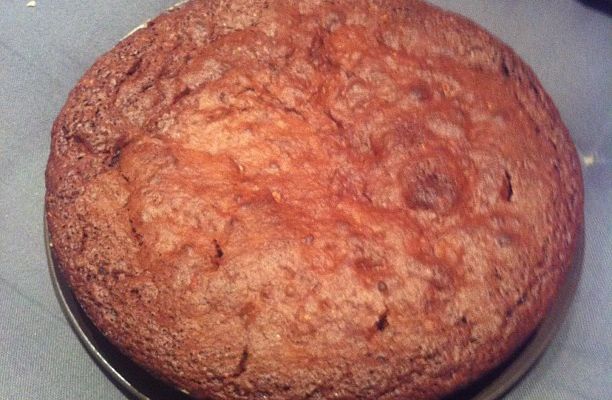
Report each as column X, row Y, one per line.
column 313, row 200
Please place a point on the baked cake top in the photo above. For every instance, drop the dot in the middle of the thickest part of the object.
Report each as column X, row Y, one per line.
column 314, row 199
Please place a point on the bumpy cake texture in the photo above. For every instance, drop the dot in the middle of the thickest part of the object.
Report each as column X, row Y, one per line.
column 313, row 200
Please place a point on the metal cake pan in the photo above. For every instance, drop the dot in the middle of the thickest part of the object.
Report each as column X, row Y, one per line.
column 136, row 383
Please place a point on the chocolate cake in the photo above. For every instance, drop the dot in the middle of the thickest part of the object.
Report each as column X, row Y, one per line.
column 313, row 200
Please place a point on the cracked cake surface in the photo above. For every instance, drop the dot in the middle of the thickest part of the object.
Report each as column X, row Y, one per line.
column 312, row 200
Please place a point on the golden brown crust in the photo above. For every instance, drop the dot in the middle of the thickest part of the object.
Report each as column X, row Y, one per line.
column 351, row 200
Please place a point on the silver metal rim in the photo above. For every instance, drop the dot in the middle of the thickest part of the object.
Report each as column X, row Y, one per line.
column 75, row 318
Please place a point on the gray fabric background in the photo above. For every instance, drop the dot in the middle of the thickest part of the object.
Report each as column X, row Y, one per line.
column 44, row 50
